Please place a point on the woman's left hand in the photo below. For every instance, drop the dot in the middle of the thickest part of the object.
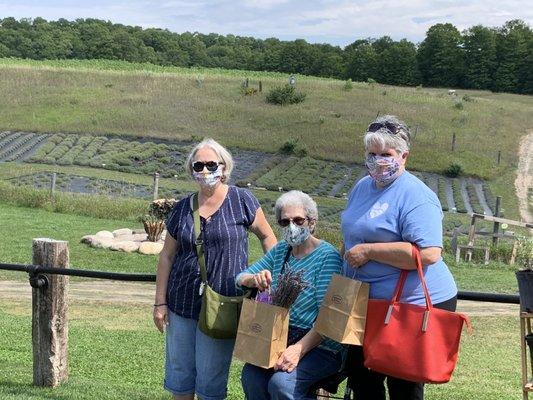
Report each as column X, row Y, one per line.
column 357, row 256
column 290, row 358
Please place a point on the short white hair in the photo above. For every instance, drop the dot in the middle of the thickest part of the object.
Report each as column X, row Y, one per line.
column 296, row 198
column 223, row 155
column 383, row 139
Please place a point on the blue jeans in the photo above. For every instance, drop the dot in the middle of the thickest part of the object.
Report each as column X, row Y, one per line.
column 267, row 384
column 195, row 363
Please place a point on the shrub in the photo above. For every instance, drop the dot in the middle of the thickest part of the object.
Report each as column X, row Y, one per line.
column 467, row 98
column 454, row 170
column 283, row 95
column 248, row 91
column 371, row 81
column 458, row 105
column 348, row 85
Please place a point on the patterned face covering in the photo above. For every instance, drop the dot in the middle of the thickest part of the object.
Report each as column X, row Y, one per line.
column 383, row 170
column 295, row 235
column 209, row 179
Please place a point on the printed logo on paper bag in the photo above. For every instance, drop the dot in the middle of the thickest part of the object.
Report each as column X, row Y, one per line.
column 256, row 328
column 336, row 299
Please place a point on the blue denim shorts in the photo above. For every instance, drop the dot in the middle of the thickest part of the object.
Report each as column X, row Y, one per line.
column 195, row 363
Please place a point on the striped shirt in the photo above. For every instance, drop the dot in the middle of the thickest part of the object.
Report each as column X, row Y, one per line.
column 319, row 266
column 225, row 237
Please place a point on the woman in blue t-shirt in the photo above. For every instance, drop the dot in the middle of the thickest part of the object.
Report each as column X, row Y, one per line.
column 196, row 363
column 387, row 211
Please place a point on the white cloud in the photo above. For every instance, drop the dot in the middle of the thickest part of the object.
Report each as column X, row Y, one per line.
column 334, row 21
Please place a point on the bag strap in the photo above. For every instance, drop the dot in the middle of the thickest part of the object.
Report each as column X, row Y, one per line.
column 199, row 242
column 286, row 260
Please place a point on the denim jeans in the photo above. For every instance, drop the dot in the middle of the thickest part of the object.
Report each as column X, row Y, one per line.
column 196, row 363
column 267, row 384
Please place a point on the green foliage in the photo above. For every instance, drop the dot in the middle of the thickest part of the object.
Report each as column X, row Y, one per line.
column 348, row 85
column 458, row 105
column 454, row 170
column 284, row 95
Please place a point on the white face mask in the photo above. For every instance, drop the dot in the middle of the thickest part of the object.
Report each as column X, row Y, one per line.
column 209, row 179
column 295, row 235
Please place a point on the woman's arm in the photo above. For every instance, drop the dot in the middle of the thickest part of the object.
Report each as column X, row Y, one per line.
column 166, row 258
column 292, row 355
column 261, row 228
column 397, row 254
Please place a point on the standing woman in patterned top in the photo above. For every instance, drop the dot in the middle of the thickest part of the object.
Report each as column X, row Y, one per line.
column 196, row 363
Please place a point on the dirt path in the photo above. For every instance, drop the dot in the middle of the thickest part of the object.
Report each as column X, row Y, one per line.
column 524, row 176
column 143, row 294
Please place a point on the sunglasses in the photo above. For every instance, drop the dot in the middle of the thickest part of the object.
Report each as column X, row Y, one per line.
column 297, row 220
column 211, row 166
column 392, row 128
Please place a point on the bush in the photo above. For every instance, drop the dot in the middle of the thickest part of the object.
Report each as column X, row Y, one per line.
column 459, row 105
column 454, row 170
column 283, row 95
column 348, row 85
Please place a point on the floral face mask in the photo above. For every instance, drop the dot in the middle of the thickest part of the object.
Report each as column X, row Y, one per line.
column 209, row 179
column 383, row 170
column 295, row 235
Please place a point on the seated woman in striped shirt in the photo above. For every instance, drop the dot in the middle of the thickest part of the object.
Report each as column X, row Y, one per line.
column 308, row 358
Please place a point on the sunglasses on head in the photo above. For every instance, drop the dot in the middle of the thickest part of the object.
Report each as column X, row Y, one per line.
column 376, row 126
column 297, row 220
column 211, row 166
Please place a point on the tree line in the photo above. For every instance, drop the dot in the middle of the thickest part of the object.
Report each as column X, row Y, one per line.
column 497, row 59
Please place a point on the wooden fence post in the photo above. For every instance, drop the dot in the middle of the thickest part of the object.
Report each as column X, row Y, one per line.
column 499, row 156
column 260, row 86
column 156, row 185
column 496, row 226
column 453, row 141
column 49, row 315
column 53, row 185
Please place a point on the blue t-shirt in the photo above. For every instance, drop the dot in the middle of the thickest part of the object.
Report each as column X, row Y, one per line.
column 225, row 237
column 318, row 267
column 404, row 211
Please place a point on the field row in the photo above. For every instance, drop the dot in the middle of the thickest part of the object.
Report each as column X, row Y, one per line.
column 252, row 168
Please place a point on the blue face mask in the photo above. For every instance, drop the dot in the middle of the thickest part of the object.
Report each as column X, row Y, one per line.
column 383, row 170
column 295, row 235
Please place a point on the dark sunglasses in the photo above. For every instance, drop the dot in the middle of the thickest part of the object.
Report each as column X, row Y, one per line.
column 211, row 166
column 297, row 220
column 376, row 126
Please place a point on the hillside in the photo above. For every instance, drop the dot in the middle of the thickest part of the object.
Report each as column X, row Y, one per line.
column 176, row 105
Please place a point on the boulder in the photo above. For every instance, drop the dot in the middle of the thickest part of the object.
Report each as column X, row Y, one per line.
column 88, row 239
column 126, row 246
column 104, row 235
column 102, row 242
column 139, row 237
column 122, row 232
column 136, row 231
column 150, row 248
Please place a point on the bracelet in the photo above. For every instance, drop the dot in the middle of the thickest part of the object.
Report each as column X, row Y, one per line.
column 160, row 304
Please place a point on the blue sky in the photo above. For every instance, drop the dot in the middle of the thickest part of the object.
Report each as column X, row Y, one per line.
column 325, row 21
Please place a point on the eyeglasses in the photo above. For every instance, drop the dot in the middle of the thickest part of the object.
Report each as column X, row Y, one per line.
column 211, row 166
column 297, row 220
column 376, row 126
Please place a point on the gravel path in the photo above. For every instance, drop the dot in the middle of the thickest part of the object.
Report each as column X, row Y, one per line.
column 524, row 177
column 143, row 294
column 478, row 187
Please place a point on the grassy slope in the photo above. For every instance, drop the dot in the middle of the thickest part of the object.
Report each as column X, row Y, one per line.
column 39, row 96
column 116, row 353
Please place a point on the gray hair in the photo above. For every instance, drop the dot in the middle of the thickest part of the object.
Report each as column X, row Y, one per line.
column 296, row 198
column 224, row 156
column 400, row 142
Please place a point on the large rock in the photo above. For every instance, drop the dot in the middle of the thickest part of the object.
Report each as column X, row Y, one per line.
column 104, row 235
column 122, row 232
column 150, row 248
column 102, row 242
column 139, row 237
column 88, row 239
column 127, row 246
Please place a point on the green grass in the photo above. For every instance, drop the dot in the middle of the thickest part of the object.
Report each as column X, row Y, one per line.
column 85, row 97
column 116, row 353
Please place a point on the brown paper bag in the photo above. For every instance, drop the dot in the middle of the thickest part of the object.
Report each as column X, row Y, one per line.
column 261, row 334
column 342, row 315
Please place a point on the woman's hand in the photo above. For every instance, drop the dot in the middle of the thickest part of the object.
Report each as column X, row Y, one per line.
column 358, row 255
column 289, row 359
column 262, row 279
column 161, row 317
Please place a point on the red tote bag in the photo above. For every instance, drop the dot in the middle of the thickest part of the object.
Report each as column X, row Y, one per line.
column 411, row 342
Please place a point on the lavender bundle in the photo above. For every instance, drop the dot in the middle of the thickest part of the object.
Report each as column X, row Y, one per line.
column 290, row 284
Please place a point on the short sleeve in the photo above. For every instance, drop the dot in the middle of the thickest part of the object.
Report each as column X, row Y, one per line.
column 265, row 262
column 250, row 205
column 173, row 221
column 422, row 225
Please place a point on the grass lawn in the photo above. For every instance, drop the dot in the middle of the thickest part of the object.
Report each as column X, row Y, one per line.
column 133, row 100
column 116, row 353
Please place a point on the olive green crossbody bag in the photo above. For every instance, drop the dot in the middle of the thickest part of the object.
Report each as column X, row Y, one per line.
column 219, row 315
